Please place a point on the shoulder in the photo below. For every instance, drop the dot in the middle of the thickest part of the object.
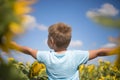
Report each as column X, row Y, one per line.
column 80, row 56
column 78, row 52
column 43, row 52
column 41, row 55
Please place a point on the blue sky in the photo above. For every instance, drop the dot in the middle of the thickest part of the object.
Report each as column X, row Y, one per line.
column 86, row 34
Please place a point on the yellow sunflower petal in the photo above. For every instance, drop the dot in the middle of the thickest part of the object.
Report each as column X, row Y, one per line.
column 15, row 28
column 22, row 7
column 11, row 59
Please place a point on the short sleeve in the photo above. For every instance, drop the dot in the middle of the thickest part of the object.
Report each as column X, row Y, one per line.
column 81, row 57
column 42, row 56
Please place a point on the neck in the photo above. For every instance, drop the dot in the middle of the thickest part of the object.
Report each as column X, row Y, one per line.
column 60, row 50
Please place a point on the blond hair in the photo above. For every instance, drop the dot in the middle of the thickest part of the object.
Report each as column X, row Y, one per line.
column 61, row 34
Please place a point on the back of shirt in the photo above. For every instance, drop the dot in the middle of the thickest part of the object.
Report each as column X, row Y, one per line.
column 63, row 66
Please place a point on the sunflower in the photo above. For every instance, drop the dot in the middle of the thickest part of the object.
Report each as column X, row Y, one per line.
column 36, row 68
column 11, row 18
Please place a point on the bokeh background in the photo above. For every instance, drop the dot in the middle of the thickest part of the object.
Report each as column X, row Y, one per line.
column 79, row 14
column 95, row 24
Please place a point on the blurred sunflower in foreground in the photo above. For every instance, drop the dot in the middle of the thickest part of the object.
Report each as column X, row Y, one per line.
column 115, row 24
column 11, row 18
column 108, row 16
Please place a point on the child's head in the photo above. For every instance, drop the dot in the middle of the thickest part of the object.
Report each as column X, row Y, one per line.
column 59, row 36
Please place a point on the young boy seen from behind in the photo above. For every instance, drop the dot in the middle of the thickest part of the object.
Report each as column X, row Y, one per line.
column 62, row 64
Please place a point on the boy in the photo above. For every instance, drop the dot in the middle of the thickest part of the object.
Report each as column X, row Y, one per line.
column 62, row 64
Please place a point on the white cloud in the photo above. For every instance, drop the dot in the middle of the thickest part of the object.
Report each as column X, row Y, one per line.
column 76, row 43
column 109, row 45
column 92, row 14
column 42, row 27
column 31, row 23
column 106, row 10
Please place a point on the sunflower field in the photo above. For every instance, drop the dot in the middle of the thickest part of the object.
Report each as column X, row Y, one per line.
column 104, row 71
column 12, row 16
column 14, row 70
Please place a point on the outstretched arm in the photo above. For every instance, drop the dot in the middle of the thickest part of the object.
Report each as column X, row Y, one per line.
column 100, row 52
column 24, row 49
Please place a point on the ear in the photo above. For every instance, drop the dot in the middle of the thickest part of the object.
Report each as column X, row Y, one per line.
column 51, row 40
column 53, row 45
